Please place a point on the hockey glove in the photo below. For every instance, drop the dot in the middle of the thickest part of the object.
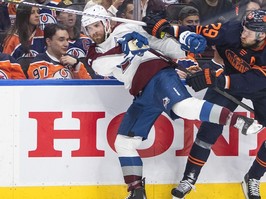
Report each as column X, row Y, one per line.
column 156, row 24
column 187, row 63
column 205, row 78
column 192, row 42
column 133, row 44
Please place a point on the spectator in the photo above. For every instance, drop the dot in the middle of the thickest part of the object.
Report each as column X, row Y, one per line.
column 188, row 16
column 126, row 9
column 263, row 5
column 4, row 18
column 155, row 6
column 47, row 16
column 9, row 68
column 25, row 38
column 78, row 43
column 54, row 63
column 153, row 83
column 248, row 6
column 213, row 10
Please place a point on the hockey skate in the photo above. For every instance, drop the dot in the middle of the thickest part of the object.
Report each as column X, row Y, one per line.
column 251, row 188
column 247, row 125
column 182, row 189
column 139, row 193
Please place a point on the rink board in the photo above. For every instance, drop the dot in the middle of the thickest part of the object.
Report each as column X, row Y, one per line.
column 57, row 138
column 203, row 191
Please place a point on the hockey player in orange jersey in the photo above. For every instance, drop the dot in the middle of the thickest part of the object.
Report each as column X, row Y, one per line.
column 55, row 63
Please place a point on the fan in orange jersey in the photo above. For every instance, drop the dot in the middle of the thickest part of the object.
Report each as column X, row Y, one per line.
column 55, row 63
column 24, row 38
column 9, row 69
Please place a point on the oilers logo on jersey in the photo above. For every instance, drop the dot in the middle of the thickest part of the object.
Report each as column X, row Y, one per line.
column 76, row 52
column 46, row 18
column 62, row 74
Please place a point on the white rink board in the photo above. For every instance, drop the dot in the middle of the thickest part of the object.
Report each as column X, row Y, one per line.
column 32, row 113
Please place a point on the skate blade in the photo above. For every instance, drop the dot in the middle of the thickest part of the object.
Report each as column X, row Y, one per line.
column 243, row 185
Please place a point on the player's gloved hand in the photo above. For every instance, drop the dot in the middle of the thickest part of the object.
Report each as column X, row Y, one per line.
column 156, row 24
column 133, row 44
column 205, row 78
column 192, row 42
column 189, row 64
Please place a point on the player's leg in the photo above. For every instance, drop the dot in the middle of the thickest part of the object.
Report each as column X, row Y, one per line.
column 199, row 153
column 134, row 128
column 173, row 97
column 196, row 109
column 251, row 182
column 207, row 135
column 131, row 165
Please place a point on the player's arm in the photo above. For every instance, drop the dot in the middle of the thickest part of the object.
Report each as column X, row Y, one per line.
column 159, row 27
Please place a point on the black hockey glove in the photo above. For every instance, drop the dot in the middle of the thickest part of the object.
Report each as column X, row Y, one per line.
column 156, row 24
column 205, row 78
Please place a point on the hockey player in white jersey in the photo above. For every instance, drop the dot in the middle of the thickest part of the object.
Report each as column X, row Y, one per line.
column 153, row 82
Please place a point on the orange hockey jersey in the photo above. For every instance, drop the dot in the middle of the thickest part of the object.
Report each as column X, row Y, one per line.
column 45, row 66
column 13, row 46
column 9, row 69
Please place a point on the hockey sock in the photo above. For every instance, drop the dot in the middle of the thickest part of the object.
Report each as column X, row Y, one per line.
column 129, row 159
column 258, row 167
column 196, row 109
column 196, row 160
column 134, row 185
column 132, row 171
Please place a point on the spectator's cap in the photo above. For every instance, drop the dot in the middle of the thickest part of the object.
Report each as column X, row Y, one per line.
column 187, row 11
column 256, row 21
column 66, row 4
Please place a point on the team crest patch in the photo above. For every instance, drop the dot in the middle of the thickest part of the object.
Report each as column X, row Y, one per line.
column 76, row 52
column 166, row 101
column 46, row 18
column 62, row 74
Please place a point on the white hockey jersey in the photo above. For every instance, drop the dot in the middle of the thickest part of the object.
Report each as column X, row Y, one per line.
column 107, row 59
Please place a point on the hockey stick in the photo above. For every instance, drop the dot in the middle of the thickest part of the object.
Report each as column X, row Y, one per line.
column 77, row 12
column 223, row 93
